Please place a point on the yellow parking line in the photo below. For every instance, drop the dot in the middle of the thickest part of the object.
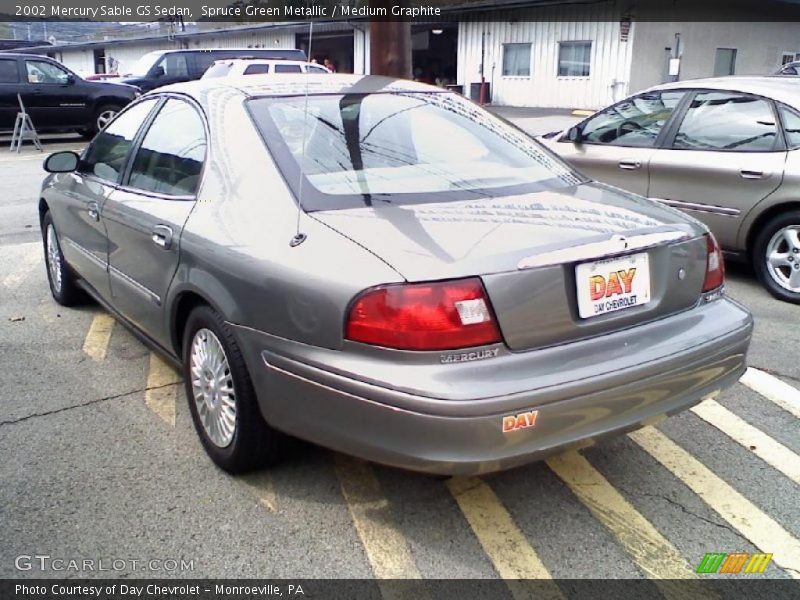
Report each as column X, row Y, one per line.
column 98, row 337
column 765, row 533
column 512, row 556
column 655, row 556
column 261, row 484
column 387, row 549
column 773, row 389
column 759, row 443
column 162, row 389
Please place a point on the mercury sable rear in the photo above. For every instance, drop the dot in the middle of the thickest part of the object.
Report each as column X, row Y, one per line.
column 383, row 268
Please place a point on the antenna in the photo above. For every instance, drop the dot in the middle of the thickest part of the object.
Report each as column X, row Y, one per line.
column 300, row 237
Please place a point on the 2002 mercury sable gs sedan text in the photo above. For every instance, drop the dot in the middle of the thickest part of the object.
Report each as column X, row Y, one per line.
column 386, row 269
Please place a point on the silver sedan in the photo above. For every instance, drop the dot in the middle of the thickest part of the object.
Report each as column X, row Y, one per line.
column 725, row 150
column 384, row 268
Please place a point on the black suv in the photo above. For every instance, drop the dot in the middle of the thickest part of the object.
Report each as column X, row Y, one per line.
column 55, row 97
column 163, row 67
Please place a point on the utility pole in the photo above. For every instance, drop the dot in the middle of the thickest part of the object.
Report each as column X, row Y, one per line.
column 390, row 44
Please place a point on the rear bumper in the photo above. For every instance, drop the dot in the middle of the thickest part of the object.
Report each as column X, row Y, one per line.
column 361, row 418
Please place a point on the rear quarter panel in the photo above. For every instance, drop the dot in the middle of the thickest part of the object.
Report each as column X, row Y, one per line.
column 235, row 247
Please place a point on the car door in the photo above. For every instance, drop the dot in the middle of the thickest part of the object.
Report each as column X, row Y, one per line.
column 619, row 141
column 53, row 96
column 9, row 88
column 724, row 155
column 78, row 211
column 146, row 214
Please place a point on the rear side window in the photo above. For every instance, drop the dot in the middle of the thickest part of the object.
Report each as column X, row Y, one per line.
column 171, row 156
column 105, row 158
column 256, row 70
column 634, row 122
column 725, row 121
column 288, row 69
column 204, row 60
column 8, row 71
column 175, row 65
column 791, row 126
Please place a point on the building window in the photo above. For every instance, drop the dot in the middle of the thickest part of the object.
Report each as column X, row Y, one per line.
column 516, row 60
column 788, row 57
column 725, row 62
column 574, row 59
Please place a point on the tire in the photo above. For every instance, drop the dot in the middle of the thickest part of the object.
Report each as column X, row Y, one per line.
column 250, row 442
column 102, row 116
column 62, row 280
column 87, row 134
column 779, row 238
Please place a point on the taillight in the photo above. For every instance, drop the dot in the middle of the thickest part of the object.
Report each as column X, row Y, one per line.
column 442, row 315
column 715, row 267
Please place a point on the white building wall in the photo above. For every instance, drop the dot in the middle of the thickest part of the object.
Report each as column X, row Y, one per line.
column 759, row 47
column 544, row 28
column 247, row 39
column 361, row 56
column 80, row 61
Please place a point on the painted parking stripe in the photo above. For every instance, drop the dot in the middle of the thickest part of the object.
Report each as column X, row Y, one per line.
column 24, row 258
column 759, row 443
column 98, row 337
column 387, row 550
column 773, row 389
column 749, row 520
column 655, row 556
column 162, row 389
column 261, row 485
column 505, row 545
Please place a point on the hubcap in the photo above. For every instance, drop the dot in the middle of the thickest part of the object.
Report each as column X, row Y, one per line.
column 104, row 117
column 212, row 387
column 53, row 258
column 783, row 258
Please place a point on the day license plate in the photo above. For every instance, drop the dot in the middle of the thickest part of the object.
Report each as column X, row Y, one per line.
column 606, row 286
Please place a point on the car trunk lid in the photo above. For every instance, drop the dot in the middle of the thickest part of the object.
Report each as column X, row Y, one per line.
column 527, row 249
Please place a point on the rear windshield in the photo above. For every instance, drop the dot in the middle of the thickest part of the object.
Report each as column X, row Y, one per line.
column 400, row 148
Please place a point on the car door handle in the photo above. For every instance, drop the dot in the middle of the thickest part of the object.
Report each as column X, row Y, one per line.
column 94, row 211
column 162, row 236
column 630, row 164
column 751, row 174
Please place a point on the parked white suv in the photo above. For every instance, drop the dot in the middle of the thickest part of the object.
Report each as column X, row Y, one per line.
column 259, row 66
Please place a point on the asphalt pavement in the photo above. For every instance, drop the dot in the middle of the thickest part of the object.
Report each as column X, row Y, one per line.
column 101, row 462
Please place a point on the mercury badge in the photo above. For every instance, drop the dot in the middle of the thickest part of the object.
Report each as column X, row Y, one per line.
column 468, row 356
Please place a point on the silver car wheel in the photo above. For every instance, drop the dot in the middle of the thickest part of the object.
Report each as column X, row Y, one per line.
column 53, row 258
column 783, row 258
column 212, row 388
column 104, row 117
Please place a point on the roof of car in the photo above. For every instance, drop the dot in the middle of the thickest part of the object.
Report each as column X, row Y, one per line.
column 783, row 89
column 299, row 84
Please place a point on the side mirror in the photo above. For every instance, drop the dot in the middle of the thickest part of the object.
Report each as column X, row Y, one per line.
column 575, row 134
column 62, row 162
column 70, row 79
column 158, row 71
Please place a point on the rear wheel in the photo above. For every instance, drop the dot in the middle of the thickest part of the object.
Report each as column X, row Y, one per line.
column 776, row 256
column 62, row 282
column 221, row 396
column 103, row 115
